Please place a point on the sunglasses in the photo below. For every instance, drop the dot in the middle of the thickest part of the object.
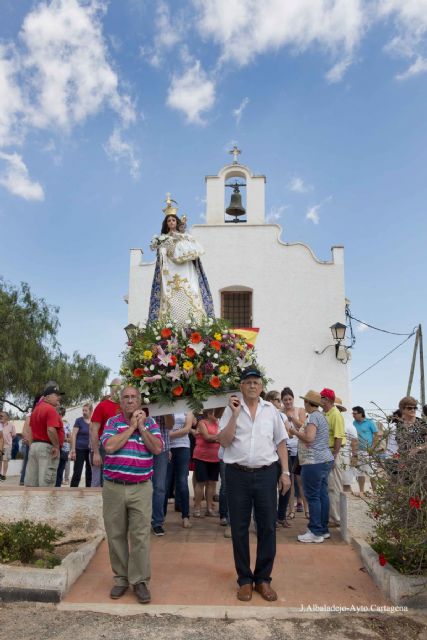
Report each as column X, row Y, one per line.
column 410, row 407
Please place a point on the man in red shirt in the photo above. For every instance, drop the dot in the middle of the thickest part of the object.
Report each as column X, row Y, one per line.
column 103, row 411
column 47, row 439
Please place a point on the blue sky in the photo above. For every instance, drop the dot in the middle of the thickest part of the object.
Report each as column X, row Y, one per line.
column 105, row 106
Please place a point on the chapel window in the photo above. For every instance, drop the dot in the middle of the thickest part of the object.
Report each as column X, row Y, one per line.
column 236, row 307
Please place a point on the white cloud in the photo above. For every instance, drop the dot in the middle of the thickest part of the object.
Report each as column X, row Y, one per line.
column 66, row 65
column 337, row 72
column 120, row 151
column 169, row 33
column 419, row 66
column 298, row 185
column 192, row 93
column 362, row 327
column 246, row 28
column 237, row 113
column 313, row 214
column 11, row 104
column 275, row 214
column 15, row 178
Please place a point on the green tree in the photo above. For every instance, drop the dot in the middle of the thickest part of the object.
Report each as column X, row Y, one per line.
column 31, row 354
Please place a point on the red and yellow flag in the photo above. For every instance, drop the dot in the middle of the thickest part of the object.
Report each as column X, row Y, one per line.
column 249, row 334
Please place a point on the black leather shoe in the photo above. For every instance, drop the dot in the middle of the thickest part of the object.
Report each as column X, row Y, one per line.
column 142, row 593
column 117, row 592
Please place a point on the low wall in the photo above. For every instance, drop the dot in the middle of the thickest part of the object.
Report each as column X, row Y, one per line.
column 77, row 512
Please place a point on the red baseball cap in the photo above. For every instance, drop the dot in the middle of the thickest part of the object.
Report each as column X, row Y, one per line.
column 328, row 393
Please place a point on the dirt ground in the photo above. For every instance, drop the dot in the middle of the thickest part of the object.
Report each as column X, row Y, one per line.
column 24, row 621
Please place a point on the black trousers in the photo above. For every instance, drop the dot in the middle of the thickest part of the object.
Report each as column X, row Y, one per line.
column 82, row 457
column 245, row 491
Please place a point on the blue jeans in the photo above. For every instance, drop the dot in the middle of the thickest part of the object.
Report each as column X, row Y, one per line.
column 258, row 490
column 315, row 484
column 160, row 466
column 180, row 459
column 283, row 501
column 25, row 451
column 223, row 508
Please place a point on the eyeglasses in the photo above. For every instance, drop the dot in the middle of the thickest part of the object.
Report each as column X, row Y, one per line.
column 410, row 407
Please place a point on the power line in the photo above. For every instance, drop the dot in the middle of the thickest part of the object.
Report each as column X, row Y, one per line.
column 393, row 333
column 384, row 357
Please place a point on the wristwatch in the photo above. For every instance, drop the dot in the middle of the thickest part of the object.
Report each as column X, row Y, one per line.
column 286, row 473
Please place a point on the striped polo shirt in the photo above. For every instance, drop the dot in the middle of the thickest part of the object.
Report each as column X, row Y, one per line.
column 133, row 462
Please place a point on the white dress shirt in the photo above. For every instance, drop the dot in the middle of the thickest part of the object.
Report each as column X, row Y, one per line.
column 255, row 443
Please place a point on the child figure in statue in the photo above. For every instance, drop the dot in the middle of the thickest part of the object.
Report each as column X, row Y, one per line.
column 180, row 289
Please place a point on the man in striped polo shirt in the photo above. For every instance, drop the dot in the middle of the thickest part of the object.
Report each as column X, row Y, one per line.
column 130, row 440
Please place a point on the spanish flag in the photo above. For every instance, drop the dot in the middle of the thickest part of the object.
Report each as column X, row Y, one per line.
column 249, row 334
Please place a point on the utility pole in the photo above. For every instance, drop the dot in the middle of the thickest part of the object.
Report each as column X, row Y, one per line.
column 414, row 359
column 422, row 384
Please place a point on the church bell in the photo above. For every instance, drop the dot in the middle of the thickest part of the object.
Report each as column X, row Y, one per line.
column 235, row 207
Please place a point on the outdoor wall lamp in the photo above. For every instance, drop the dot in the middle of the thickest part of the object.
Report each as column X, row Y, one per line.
column 338, row 334
column 130, row 328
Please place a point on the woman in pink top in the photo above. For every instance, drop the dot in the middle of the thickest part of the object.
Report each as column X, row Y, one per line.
column 206, row 460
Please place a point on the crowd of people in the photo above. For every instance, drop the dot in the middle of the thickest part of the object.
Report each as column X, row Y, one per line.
column 270, row 456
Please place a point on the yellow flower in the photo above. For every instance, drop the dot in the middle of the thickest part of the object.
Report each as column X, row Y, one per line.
column 239, row 346
column 147, row 355
column 224, row 369
column 187, row 365
column 218, row 336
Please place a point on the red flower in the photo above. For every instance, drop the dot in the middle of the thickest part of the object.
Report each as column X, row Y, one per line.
column 138, row 373
column 376, row 514
column 249, row 345
column 199, row 375
column 172, row 362
column 166, row 333
column 396, row 455
column 189, row 351
column 415, row 503
column 381, row 559
column 178, row 391
column 195, row 337
column 129, row 343
column 215, row 382
column 215, row 345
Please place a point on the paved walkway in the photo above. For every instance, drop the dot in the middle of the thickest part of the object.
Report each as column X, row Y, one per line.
column 195, row 568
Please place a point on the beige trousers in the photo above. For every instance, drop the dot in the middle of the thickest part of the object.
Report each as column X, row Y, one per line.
column 41, row 468
column 335, row 488
column 127, row 520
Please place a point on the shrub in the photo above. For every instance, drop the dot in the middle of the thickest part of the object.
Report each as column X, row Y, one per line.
column 399, row 509
column 20, row 540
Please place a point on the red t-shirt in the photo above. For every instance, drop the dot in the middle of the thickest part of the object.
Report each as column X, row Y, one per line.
column 207, row 451
column 103, row 411
column 44, row 416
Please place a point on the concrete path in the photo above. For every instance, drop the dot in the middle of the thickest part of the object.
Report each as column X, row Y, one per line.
column 193, row 574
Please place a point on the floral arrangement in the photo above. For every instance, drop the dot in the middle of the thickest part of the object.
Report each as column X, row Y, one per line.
column 167, row 361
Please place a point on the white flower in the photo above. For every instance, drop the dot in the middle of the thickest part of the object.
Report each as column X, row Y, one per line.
column 228, row 380
column 215, row 355
column 208, row 353
column 146, row 400
column 169, row 325
column 158, row 337
column 152, row 367
column 189, row 321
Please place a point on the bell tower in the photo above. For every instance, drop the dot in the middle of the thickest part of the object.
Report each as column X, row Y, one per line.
column 218, row 195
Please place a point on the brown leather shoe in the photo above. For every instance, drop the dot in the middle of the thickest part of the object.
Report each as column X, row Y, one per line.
column 118, row 591
column 266, row 592
column 244, row 592
column 142, row 593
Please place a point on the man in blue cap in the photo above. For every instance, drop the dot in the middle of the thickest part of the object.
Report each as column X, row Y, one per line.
column 253, row 436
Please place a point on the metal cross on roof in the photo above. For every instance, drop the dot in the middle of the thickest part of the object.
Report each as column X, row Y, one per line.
column 235, row 152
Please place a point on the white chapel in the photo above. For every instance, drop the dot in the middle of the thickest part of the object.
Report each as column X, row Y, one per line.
column 258, row 280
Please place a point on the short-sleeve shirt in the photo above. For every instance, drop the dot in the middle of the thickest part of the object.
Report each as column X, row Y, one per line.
column 409, row 436
column 204, row 450
column 317, row 451
column 255, row 442
column 181, row 441
column 336, row 426
column 365, row 431
column 133, row 462
column 44, row 416
column 9, row 432
column 103, row 411
column 82, row 439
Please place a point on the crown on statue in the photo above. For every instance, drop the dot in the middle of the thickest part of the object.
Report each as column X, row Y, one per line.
column 170, row 210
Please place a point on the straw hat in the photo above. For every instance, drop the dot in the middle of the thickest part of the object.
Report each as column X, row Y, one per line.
column 339, row 405
column 313, row 397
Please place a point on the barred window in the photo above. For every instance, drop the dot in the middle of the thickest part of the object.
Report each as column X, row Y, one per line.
column 236, row 306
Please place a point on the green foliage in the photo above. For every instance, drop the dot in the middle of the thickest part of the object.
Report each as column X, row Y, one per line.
column 399, row 509
column 31, row 355
column 20, row 540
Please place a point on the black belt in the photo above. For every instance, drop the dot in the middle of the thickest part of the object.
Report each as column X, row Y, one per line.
column 125, row 482
column 241, row 467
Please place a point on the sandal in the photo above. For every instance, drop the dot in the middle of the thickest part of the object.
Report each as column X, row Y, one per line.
column 283, row 523
column 197, row 513
column 291, row 515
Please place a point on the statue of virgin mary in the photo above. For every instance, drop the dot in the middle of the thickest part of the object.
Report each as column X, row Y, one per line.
column 180, row 289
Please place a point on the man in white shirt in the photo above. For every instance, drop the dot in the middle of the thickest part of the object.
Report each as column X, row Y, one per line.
column 254, row 438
